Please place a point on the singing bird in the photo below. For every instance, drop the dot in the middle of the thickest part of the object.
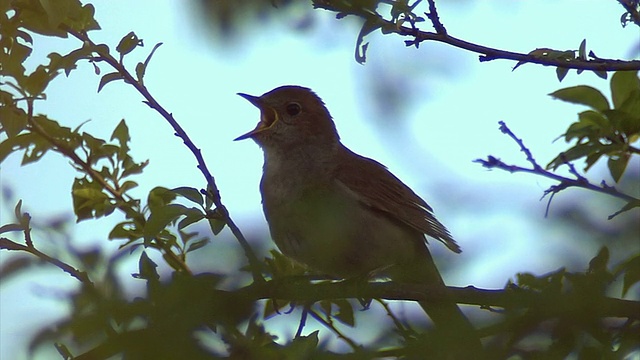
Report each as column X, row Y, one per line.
column 343, row 214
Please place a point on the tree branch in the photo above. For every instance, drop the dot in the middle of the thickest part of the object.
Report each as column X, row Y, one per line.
column 632, row 10
column 7, row 244
column 564, row 182
column 539, row 56
column 212, row 190
column 550, row 305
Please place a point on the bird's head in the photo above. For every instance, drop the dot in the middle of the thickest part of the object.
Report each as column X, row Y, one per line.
column 291, row 116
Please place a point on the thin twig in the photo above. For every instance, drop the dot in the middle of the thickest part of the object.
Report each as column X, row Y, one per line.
column 80, row 275
column 564, row 182
column 96, row 176
column 329, row 325
column 254, row 264
column 435, row 19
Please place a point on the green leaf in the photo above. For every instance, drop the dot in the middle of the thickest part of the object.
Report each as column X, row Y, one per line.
column 197, row 245
column 600, row 261
column 89, row 200
column 128, row 43
column 371, row 24
column 345, row 312
column 623, row 83
column 601, row 74
column 216, row 225
column 576, row 152
column 303, row 347
column 125, row 230
column 617, row 164
column 591, row 125
column 56, row 10
column 147, row 268
column 128, row 185
column 582, row 50
column 561, row 72
column 623, row 122
column 193, row 215
column 38, row 80
column 141, row 68
column 190, row 193
column 160, row 218
column 159, row 197
column 631, row 274
column 121, row 133
column 107, row 78
column 582, row 94
column 13, row 120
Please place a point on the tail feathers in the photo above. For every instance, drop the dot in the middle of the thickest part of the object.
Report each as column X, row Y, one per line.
column 455, row 336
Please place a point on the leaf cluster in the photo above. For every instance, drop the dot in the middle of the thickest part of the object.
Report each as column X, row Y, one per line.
column 608, row 130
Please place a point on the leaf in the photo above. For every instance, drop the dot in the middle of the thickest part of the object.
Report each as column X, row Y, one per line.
column 628, row 206
column 600, row 261
column 107, row 78
column 15, row 143
column 38, row 80
column 125, row 230
column 623, row 83
column 141, row 68
column 371, row 24
column 216, row 225
column 582, row 53
column 561, row 72
column 56, row 10
column 576, row 152
column 189, row 193
column 12, row 119
column 193, row 215
column 617, row 165
column 582, row 94
column 197, row 245
column 89, row 201
column 159, row 197
column 121, row 133
column 302, row 347
column 345, row 312
column 631, row 274
column 128, row 43
column 147, row 268
column 160, row 218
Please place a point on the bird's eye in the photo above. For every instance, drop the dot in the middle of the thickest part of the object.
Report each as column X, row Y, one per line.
column 293, row 108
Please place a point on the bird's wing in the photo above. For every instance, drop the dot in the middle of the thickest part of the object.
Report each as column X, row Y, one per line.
column 375, row 186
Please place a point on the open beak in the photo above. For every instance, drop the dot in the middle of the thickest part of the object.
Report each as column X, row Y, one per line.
column 268, row 116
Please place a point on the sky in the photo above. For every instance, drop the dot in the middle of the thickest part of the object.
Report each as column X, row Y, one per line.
column 430, row 142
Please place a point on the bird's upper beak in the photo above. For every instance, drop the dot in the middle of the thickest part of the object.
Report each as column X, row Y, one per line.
column 268, row 116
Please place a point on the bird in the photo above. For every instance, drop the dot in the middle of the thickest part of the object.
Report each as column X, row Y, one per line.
column 345, row 215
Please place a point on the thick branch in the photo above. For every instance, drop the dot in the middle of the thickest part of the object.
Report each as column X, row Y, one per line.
column 487, row 53
column 549, row 305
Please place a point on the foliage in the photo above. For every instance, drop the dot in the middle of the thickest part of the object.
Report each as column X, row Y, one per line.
column 195, row 316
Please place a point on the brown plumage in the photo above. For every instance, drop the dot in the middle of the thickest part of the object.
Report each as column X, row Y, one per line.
column 343, row 214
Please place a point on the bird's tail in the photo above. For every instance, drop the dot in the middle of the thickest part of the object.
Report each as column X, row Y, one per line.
column 454, row 337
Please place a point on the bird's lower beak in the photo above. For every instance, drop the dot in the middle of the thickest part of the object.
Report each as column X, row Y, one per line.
column 268, row 116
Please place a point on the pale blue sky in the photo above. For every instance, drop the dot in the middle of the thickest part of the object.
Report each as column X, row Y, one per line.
column 452, row 120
